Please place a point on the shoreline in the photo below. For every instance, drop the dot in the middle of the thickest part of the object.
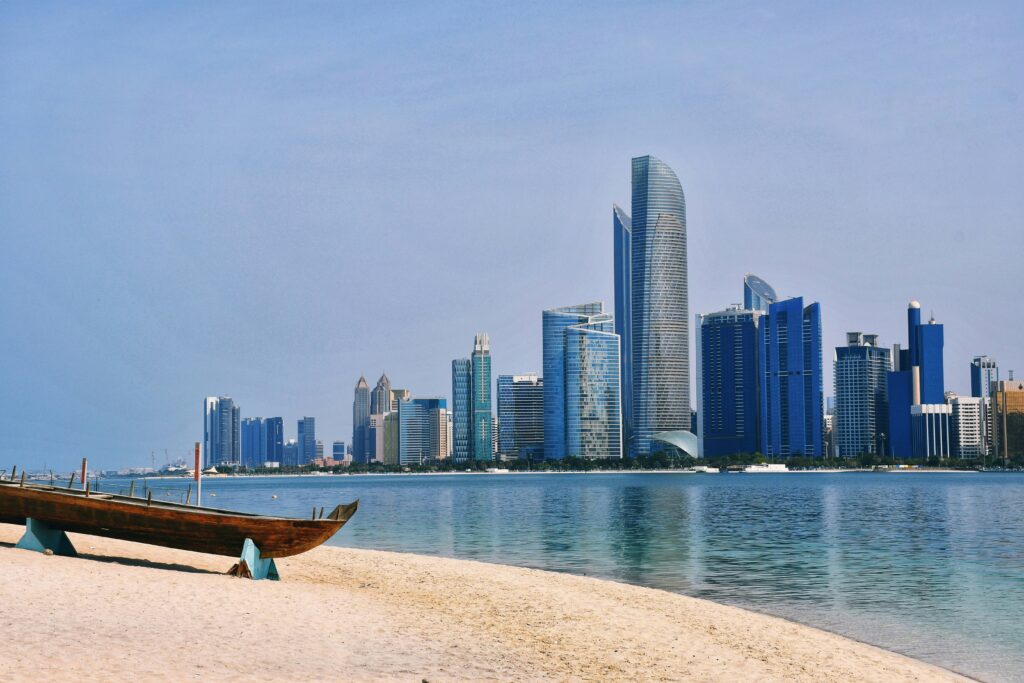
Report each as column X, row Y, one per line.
column 127, row 610
column 306, row 475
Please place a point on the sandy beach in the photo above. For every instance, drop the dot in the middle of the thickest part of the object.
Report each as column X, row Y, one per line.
column 125, row 611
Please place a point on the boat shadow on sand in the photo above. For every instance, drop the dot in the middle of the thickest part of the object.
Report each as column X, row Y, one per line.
column 134, row 562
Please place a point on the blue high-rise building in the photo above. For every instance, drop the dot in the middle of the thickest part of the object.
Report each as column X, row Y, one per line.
column 984, row 371
column 221, row 432
column 521, row 416
column 254, row 442
column 422, row 430
column 462, row 419
column 274, row 427
column 758, row 295
column 306, row 440
column 361, row 422
column 659, row 323
column 916, row 379
column 727, row 375
column 790, row 369
column 861, row 395
column 582, row 372
column 483, row 417
column 622, row 229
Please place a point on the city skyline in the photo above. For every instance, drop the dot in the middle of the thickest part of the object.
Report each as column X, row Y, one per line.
column 112, row 293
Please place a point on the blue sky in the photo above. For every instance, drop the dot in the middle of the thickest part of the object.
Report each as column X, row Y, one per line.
column 267, row 200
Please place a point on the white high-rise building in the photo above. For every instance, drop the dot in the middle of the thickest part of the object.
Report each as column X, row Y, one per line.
column 969, row 433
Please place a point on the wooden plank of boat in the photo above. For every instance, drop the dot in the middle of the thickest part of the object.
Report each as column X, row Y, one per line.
column 172, row 525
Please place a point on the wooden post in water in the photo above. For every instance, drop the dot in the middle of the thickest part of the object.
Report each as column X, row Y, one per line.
column 199, row 479
column 71, row 481
column 131, row 489
column 23, row 479
column 188, row 498
column 149, row 497
column 14, row 471
column 86, row 488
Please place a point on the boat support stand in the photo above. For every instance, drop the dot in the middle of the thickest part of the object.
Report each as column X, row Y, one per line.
column 251, row 566
column 40, row 536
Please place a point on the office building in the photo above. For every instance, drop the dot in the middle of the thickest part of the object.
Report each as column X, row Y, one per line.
column 728, row 417
column 521, row 416
column 916, row 378
column 582, row 372
column 274, row 427
column 622, row 228
column 861, row 396
column 421, row 437
column 1008, row 419
column 254, row 442
column 380, row 397
column 984, row 372
column 319, row 450
column 221, row 432
column 391, row 438
column 659, row 326
column 375, row 438
column 790, row 370
column 931, row 430
column 758, row 295
column 290, row 452
column 306, row 440
column 968, row 427
column 361, row 421
column 338, row 451
column 462, row 409
column 482, row 439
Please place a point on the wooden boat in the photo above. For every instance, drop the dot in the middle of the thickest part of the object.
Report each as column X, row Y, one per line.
column 186, row 527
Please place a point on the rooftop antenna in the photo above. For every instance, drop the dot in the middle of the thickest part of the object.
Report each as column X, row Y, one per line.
column 1011, row 375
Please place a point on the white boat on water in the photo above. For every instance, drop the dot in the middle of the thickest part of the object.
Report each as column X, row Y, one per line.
column 766, row 467
column 705, row 469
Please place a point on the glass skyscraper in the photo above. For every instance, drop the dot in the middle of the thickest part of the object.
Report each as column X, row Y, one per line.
column 727, row 375
column 254, row 441
column 790, row 369
column 462, row 373
column 275, row 439
column 862, row 398
column 984, row 371
column 622, row 228
column 916, row 379
column 221, row 432
column 483, row 418
column 380, row 398
column 307, row 440
column 422, row 430
column 361, row 422
column 758, row 295
column 582, row 372
column 659, row 309
column 521, row 416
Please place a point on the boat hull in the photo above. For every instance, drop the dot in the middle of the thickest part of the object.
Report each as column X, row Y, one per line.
column 202, row 530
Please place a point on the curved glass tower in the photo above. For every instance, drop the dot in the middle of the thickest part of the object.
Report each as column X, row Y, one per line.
column 758, row 295
column 659, row 305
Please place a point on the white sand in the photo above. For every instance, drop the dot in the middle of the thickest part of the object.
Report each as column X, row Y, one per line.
column 127, row 611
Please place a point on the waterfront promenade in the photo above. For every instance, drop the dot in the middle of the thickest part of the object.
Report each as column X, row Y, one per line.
column 126, row 611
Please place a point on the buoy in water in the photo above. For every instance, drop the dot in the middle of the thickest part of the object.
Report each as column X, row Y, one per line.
column 274, row 497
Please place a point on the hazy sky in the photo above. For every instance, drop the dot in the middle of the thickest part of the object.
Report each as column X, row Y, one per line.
column 266, row 201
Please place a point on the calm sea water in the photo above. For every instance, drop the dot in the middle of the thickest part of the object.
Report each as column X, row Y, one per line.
column 930, row 565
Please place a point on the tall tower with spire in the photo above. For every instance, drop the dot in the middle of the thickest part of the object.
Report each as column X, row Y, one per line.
column 380, row 399
column 361, row 421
